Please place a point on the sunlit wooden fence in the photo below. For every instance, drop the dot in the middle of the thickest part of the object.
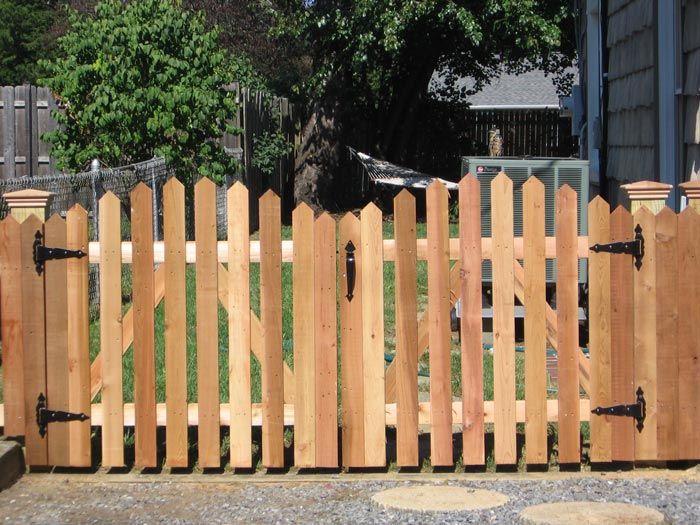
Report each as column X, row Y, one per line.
column 336, row 392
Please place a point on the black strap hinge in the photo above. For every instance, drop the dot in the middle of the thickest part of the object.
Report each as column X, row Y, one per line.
column 634, row 247
column 43, row 253
column 44, row 416
column 638, row 410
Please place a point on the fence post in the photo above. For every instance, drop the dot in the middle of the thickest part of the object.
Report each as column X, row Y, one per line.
column 691, row 189
column 648, row 194
column 24, row 203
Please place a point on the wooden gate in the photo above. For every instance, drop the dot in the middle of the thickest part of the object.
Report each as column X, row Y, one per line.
column 318, row 333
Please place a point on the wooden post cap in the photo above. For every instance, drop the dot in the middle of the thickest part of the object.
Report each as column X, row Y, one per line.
column 28, row 199
column 647, row 190
column 24, row 203
column 691, row 189
column 650, row 194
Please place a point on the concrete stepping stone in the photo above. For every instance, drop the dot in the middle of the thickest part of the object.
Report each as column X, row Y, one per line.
column 438, row 498
column 591, row 513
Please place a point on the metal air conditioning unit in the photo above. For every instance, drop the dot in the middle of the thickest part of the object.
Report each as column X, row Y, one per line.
column 554, row 173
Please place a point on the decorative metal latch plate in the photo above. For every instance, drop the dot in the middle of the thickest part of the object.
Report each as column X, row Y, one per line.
column 44, row 416
column 43, row 253
column 350, row 269
column 638, row 410
column 634, row 248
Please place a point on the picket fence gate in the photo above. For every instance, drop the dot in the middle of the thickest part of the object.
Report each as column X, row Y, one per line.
column 644, row 325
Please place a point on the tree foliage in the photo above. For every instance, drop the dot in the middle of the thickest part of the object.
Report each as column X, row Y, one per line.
column 372, row 60
column 140, row 79
column 24, row 38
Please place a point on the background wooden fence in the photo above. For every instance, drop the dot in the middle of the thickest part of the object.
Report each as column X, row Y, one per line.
column 643, row 333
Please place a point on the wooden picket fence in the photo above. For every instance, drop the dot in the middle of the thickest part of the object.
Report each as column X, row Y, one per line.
column 644, row 329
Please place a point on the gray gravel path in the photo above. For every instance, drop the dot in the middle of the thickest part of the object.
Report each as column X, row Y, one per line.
column 40, row 499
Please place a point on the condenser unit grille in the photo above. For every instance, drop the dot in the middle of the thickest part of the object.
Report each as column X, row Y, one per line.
column 553, row 173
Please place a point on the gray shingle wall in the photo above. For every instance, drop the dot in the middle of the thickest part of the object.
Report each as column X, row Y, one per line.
column 631, row 114
column 691, row 89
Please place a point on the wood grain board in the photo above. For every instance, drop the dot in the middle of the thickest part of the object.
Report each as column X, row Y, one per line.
column 567, row 326
column 645, row 296
column 373, row 335
column 111, row 331
column 143, row 327
column 304, row 343
column 57, row 364
column 351, row 356
column 406, row 330
column 237, row 304
column 599, row 312
column 175, row 328
column 207, row 304
column 11, row 326
column 439, row 326
column 535, row 323
column 78, row 337
column 470, row 291
column 271, row 320
column 503, row 320
column 688, row 334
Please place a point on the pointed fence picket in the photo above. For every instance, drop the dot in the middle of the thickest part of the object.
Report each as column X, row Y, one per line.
column 642, row 333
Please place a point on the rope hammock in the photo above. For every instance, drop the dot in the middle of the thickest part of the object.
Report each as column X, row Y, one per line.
column 383, row 172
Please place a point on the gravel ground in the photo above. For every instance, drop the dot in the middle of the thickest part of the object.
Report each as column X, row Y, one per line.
column 62, row 499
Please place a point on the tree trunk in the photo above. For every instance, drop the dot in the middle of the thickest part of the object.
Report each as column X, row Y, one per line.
column 318, row 158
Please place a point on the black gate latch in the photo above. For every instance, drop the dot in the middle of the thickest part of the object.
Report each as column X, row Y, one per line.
column 42, row 253
column 638, row 411
column 635, row 247
column 44, row 416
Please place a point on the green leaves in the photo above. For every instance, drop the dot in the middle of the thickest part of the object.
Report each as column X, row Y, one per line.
column 141, row 79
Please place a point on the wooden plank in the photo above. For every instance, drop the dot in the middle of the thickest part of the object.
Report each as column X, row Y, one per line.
column 503, row 320
column 599, row 312
column 645, row 336
column 667, row 275
column 535, row 323
column 175, row 328
column 406, row 330
column 78, row 303
column 621, row 335
column 304, row 349
column 373, row 335
column 390, row 410
column 271, row 319
column 239, row 316
column 326, row 343
column 567, row 327
column 688, row 334
column 11, row 315
column 9, row 149
column 33, row 342
column 143, row 327
column 473, row 452
column 351, row 368
column 439, row 325
column 208, row 432
column 388, row 246
column 56, row 298
column 111, row 331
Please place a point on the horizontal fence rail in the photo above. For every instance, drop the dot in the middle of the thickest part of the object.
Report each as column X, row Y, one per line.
column 243, row 340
